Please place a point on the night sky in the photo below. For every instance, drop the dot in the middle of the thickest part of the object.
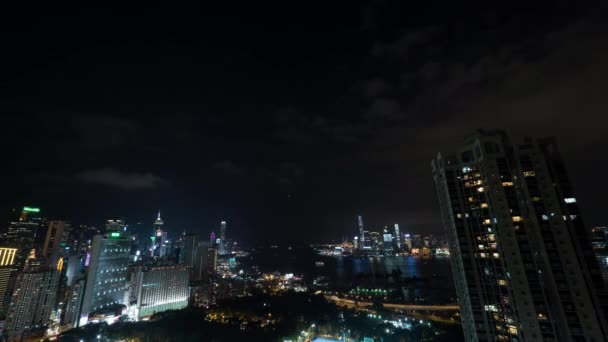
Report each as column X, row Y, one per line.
column 287, row 121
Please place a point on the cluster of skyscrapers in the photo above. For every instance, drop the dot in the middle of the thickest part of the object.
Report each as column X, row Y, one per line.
column 54, row 276
column 393, row 242
column 522, row 258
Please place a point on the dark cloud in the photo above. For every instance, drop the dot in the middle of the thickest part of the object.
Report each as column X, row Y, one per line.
column 375, row 87
column 103, row 131
column 385, row 109
column 119, row 179
column 229, row 168
column 403, row 46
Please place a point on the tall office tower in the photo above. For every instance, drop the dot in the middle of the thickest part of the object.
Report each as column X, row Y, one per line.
column 161, row 288
column 33, row 300
column 223, row 242
column 115, row 225
column 52, row 248
column 397, row 237
column 520, row 257
column 599, row 242
column 7, row 270
column 205, row 261
column 25, row 231
column 212, row 238
column 189, row 245
column 408, row 241
column 107, row 273
column 158, row 224
column 159, row 236
column 361, row 232
column 387, row 244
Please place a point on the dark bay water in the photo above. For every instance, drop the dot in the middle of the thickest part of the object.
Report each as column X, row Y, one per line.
column 415, row 278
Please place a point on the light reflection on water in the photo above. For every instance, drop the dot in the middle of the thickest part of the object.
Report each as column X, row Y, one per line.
column 408, row 274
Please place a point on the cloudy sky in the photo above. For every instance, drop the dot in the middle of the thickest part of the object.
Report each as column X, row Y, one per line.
column 287, row 121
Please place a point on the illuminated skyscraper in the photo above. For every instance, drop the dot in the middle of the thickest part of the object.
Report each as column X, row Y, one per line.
column 387, row 239
column 26, row 231
column 408, row 241
column 522, row 262
column 33, row 300
column 107, row 273
column 397, row 237
column 158, row 238
column 362, row 242
column 115, row 225
column 223, row 242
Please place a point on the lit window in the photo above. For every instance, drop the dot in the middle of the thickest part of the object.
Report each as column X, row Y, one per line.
column 512, row 330
column 507, row 183
column 496, row 256
column 529, row 173
column 491, row 237
column 471, row 199
column 491, row 307
column 466, row 169
column 502, row 282
column 483, row 255
column 572, row 217
column 545, row 217
column 570, row 200
column 480, row 189
column 535, row 199
column 459, row 215
column 484, row 205
column 481, row 246
column 487, row 221
column 517, row 219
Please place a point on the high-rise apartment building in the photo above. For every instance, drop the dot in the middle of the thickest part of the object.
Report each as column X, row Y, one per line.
column 522, row 262
column 161, row 288
column 74, row 302
column 33, row 300
column 106, row 276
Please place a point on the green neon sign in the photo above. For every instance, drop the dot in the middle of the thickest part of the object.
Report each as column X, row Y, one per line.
column 115, row 234
column 31, row 209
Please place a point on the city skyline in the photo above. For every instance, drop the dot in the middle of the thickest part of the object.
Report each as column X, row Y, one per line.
column 256, row 118
column 352, row 171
